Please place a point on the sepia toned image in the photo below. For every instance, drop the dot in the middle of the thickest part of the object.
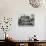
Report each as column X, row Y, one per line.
column 22, row 22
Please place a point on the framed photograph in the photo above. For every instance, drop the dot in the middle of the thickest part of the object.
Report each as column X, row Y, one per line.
column 26, row 20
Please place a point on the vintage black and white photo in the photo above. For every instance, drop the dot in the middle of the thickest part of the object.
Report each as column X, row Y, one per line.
column 26, row 20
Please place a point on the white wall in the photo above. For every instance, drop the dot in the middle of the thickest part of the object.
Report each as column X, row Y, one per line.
column 16, row 8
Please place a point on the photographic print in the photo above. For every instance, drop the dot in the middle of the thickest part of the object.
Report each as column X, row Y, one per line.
column 26, row 20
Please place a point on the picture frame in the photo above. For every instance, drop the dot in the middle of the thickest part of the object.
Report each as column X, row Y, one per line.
column 26, row 20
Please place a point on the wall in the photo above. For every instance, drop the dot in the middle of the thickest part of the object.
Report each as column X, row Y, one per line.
column 16, row 8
